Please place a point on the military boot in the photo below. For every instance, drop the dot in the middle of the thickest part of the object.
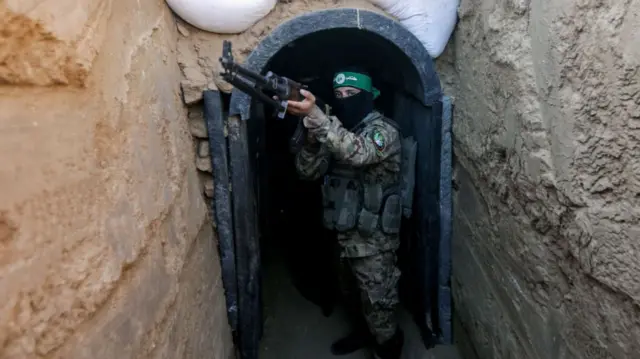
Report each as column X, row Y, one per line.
column 359, row 338
column 392, row 348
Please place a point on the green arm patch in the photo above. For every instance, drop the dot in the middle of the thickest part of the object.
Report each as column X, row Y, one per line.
column 379, row 140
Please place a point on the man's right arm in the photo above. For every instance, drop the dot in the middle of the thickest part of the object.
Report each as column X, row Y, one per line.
column 312, row 161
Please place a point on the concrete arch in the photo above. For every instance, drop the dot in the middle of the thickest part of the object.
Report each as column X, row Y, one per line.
column 428, row 91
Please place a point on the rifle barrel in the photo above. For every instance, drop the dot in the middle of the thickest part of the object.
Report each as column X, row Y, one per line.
column 248, row 89
column 259, row 79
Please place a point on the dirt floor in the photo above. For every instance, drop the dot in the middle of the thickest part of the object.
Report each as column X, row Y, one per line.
column 296, row 329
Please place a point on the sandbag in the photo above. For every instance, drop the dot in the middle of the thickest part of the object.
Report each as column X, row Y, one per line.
column 222, row 16
column 431, row 21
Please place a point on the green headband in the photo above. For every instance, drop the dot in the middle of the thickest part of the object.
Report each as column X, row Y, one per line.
column 354, row 79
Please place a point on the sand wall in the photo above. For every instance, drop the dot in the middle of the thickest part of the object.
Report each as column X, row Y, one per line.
column 106, row 248
column 547, row 129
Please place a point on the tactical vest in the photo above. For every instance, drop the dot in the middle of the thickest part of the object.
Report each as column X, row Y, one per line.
column 350, row 203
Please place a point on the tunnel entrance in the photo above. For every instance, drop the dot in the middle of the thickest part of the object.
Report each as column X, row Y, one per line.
column 270, row 225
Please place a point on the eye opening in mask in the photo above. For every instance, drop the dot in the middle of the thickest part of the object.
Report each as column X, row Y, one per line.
column 346, row 91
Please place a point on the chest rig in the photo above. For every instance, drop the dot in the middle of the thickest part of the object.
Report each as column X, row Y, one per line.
column 353, row 201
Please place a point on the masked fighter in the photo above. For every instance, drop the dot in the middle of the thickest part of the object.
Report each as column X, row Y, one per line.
column 358, row 151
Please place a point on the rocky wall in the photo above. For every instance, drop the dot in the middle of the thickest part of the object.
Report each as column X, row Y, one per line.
column 547, row 136
column 106, row 248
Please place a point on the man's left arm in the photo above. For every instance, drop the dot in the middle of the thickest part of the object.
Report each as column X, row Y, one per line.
column 376, row 143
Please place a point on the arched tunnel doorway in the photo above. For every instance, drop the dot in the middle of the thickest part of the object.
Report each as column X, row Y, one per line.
column 269, row 207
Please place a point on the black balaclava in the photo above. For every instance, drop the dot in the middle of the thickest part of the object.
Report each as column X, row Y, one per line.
column 353, row 109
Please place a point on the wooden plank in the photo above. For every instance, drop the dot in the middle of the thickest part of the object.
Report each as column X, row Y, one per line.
column 421, row 237
column 246, row 239
column 446, row 224
column 430, row 183
column 214, row 119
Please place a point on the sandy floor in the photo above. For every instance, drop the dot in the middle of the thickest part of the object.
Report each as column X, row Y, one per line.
column 296, row 329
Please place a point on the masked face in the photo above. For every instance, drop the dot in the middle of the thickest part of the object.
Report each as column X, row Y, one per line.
column 352, row 105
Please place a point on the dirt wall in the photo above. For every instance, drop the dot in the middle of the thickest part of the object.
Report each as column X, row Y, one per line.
column 547, row 129
column 106, row 250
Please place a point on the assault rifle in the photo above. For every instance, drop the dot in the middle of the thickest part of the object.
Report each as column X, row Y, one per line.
column 255, row 85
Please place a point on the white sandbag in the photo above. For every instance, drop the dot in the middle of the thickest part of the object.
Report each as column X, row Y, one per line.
column 222, row 16
column 431, row 21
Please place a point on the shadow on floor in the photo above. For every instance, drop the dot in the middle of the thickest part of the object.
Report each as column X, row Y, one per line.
column 296, row 329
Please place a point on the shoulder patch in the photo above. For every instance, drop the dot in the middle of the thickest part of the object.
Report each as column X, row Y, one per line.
column 378, row 139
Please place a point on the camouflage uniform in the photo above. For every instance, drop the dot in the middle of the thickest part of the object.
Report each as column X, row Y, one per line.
column 373, row 149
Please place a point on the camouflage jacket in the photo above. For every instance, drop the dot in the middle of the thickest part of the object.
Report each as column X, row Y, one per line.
column 374, row 148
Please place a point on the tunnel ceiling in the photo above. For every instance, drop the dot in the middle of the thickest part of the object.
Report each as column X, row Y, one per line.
column 317, row 56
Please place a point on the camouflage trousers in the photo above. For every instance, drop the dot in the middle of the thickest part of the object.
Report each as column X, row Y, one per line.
column 370, row 285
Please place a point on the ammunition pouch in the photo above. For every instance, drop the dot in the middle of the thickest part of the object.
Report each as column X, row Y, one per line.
column 349, row 204
column 391, row 216
column 341, row 202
